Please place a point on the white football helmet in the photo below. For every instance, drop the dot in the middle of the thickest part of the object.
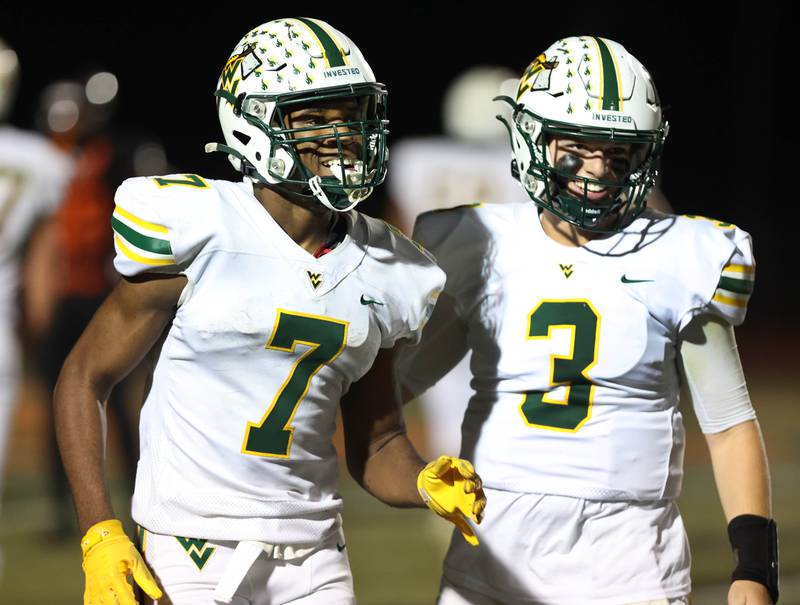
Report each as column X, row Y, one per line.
column 286, row 64
column 589, row 88
column 468, row 113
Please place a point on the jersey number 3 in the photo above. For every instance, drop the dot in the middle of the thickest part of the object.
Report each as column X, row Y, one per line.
column 569, row 371
column 325, row 337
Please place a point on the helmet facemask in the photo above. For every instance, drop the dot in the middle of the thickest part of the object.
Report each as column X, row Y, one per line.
column 357, row 161
column 546, row 181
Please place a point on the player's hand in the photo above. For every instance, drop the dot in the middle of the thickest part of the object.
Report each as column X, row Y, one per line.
column 452, row 489
column 109, row 557
column 745, row 592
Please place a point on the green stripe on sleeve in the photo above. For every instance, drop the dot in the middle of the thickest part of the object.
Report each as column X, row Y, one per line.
column 332, row 52
column 739, row 286
column 144, row 242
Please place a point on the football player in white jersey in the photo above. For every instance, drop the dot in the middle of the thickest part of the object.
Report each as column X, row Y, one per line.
column 585, row 312
column 470, row 162
column 33, row 176
column 261, row 303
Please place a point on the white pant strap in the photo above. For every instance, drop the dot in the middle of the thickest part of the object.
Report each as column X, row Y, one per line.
column 242, row 559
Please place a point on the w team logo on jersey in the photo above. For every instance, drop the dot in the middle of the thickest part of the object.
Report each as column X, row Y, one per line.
column 315, row 279
column 199, row 551
column 567, row 270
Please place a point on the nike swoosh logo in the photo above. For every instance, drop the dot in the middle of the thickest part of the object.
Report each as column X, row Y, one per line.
column 340, row 548
column 625, row 280
column 367, row 301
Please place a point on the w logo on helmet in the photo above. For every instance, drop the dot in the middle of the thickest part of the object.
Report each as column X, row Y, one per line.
column 532, row 80
column 228, row 80
column 245, row 63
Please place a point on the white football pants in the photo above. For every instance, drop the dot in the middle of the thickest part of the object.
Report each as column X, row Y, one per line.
column 205, row 572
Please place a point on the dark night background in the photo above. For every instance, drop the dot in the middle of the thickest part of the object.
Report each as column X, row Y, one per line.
column 718, row 67
column 724, row 72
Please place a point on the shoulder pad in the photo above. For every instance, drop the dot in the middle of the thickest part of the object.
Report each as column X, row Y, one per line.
column 725, row 255
column 148, row 217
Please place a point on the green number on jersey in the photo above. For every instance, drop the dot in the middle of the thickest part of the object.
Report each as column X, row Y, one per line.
column 325, row 337
column 570, row 371
column 191, row 180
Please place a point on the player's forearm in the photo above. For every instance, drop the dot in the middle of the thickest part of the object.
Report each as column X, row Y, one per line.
column 79, row 422
column 740, row 470
column 389, row 470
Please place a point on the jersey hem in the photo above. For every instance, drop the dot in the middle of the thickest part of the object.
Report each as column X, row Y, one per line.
column 458, row 578
column 588, row 493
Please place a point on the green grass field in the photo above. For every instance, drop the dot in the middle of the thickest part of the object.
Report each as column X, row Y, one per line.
column 396, row 554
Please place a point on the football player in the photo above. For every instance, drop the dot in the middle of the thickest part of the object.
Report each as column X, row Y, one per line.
column 33, row 177
column 585, row 312
column 261, row 304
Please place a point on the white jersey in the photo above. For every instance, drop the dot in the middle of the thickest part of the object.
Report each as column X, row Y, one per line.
column 435, row 173
column 33, row 177
column 574, row 349
column 236, row 428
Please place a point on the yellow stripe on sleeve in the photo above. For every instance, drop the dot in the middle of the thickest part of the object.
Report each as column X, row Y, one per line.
column 739, row 268
column 138, row 258
column 733, row 302
column 142, row 223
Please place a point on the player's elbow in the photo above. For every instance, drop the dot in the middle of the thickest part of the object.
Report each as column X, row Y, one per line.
column 81, row 377
column 356, row 458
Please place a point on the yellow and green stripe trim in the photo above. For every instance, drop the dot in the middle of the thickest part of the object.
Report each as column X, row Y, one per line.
column 331, row 51
column 610, row 85
column 141, row 240
column 735, row 285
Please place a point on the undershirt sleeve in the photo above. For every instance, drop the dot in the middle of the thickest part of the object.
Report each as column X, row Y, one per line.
column 710, row 366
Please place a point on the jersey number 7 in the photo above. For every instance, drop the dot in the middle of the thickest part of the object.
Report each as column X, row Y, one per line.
column 326, row 338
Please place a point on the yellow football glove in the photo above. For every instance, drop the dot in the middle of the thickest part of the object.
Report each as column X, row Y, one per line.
column 452, row 489
column 109, row 557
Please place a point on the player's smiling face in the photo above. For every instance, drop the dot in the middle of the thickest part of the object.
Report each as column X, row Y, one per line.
column 597, row 160
column 326, row 121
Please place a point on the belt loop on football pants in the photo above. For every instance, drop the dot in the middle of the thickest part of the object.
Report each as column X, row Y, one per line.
column 242, row 559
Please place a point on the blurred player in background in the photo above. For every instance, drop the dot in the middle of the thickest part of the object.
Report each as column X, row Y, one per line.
column 33, row 174
column 72, row 259
column 261, row 304
column 470, row 162
column 585, row 312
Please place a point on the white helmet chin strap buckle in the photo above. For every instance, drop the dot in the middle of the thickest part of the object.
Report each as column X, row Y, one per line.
column 353, row 195
column 315, row 183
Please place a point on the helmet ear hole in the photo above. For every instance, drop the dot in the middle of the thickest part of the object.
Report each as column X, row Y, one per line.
column 242, row 137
